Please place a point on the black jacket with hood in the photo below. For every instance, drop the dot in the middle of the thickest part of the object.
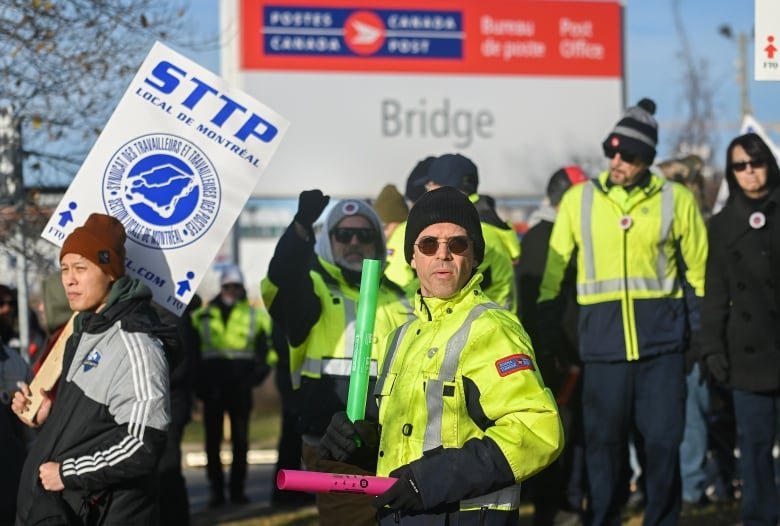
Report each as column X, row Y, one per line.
column 108, row 422
column 741, row 306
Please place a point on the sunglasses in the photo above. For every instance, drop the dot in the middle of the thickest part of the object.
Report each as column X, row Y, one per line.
column 740, row 166
column 628, row 157
column 345, row 235
column 429, row 245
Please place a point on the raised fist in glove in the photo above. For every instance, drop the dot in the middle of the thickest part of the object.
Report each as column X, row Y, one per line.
column 311, row 203
column 354, row 443
column 718, row 366
column 404, row 495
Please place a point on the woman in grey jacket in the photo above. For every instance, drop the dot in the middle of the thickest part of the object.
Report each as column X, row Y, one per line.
column 100, row 440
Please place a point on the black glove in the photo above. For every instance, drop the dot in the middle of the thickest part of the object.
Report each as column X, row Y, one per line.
column 311, row 203
column 718, row 366
column 339, row 442
column 404, row 495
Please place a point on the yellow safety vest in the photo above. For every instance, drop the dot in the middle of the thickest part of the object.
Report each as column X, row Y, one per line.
column 629, row 249
column 328, row 348
column 233, row 340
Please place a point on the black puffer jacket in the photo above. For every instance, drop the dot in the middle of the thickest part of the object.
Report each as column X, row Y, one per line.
column 107, row 425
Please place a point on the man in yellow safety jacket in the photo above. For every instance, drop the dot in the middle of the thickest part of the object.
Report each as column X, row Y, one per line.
column 233, row 338
column 463, row 412
column 641, row 247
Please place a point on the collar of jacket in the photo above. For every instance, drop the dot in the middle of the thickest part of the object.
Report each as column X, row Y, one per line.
column 734, row 218
column 650, row 185
column 431, row 308
column 126, row 295
column 747, row 206
column 335, row 275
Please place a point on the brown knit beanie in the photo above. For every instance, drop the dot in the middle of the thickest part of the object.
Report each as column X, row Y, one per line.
column 102, row 241
column 390, row 205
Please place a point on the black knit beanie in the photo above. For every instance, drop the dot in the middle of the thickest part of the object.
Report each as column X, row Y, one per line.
column 635, row 133
column 444, row 205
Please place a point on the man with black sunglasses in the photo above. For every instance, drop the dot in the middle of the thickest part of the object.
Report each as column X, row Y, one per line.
column 311, row 291
column 641, row 247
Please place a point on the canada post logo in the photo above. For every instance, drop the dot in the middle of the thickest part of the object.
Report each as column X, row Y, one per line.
column 163, row 189
column 338, row 32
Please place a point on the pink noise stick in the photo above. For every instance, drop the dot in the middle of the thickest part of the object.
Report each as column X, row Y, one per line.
column 318, row 482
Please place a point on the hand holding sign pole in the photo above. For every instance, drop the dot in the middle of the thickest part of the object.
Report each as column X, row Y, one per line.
column 364, row 335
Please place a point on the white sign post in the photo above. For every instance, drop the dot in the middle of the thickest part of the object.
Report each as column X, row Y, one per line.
column 767, row 40
column 175, row 164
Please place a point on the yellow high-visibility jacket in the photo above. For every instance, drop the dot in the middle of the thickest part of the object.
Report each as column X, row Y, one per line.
column 635, row 251
column 460, row 397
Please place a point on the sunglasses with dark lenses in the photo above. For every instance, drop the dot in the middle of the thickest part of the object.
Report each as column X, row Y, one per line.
column 429, row 245
column 740, row 166
column 345, row 235
column 626, row 156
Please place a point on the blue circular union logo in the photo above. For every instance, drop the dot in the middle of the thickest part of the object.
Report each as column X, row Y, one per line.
column 163, row 189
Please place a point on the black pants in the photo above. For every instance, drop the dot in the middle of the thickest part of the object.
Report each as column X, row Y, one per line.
column 647, row 395
column 236, row 401
column 174, row 503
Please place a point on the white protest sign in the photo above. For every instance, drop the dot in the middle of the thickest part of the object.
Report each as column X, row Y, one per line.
column 175, row 164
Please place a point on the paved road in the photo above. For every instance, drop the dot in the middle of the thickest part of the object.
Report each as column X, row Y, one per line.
column 258, row 489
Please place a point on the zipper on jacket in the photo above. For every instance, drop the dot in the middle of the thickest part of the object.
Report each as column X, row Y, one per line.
column 628, row 322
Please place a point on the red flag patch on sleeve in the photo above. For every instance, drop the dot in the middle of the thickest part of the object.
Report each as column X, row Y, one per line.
column 513, row 363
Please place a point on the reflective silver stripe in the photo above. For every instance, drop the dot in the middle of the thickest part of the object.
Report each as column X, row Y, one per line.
column 314, row 366
column 504, row 499
column 252, row 327
column 606, row 286
column 390, row 356
column 309, row 365
column 667, row 213
column 403, row 300
column 434, row 398
column 349, row 320
column 343, row 367
column 332, row 366
column 586, row 215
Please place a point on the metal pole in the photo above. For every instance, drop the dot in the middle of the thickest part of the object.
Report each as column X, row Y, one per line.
column 742, row 75
column 22, row 295
column 12, row 193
